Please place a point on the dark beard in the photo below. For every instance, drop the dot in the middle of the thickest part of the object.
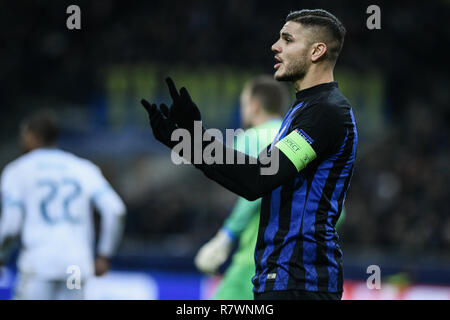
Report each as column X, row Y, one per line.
column 297, row 72
column 290, row 77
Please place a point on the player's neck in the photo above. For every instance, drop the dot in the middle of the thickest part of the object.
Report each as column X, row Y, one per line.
column 313, row 78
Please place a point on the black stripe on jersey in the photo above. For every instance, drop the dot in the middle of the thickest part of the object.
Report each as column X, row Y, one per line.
column 296, row 258
column 322, row 214
column 284, row 221
column 341, row 197
column 263, row 223
column 338, row 259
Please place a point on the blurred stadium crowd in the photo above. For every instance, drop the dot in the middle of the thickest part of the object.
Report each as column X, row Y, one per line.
column 399, row 193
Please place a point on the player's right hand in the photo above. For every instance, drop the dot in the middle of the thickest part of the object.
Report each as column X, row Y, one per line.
column 214, row 253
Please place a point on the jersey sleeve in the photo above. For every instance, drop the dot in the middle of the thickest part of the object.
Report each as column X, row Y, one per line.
column 315, row 133
column 241, row 215
column 12, row 204
column 10, row 187
column 111, row 209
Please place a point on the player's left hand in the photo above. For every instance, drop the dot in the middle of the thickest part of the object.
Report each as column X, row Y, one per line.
column 101, row 265
column 161, row 125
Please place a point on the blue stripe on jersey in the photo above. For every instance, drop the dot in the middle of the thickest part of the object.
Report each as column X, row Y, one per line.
column 339, row 185
column 285, row 124
column 354, row 130
column 271, row 230
column 309, row 243
column 290, row 239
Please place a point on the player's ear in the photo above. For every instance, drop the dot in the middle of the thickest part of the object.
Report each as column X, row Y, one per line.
column 318, row 50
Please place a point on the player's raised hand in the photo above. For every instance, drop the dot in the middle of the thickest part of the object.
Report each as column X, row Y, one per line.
column 183, row 110
column 162, row 126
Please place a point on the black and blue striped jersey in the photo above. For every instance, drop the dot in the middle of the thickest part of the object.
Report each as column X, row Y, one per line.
column 298, row 247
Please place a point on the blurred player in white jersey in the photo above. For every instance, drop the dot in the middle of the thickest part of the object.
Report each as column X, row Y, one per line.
column 47, row 199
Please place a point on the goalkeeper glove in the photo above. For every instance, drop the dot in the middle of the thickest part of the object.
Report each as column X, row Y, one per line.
column 214, row 253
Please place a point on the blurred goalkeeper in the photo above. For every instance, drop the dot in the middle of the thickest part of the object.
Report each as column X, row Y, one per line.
column 263, row 101
column 47, row 199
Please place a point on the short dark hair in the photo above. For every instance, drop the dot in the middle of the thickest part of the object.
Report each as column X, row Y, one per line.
column 334, row 30
column 44, row 124
column 272, row 94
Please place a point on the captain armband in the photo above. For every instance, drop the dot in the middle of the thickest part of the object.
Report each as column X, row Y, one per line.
column 296, row 147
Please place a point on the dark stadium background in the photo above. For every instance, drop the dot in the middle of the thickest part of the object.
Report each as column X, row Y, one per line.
column 398, row 212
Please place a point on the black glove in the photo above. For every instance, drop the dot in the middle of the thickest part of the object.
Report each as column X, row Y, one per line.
column 183, row 110
column 161, row 125
column 182, row 114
